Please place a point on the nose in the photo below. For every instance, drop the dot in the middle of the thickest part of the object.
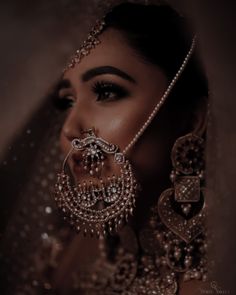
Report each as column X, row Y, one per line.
column 75, row 124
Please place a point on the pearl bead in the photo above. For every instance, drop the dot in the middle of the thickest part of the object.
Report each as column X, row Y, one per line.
column 186, row 277
column 197, row 275
column 162, row 100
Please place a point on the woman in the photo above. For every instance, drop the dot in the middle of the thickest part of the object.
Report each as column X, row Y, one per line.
column 138, row 89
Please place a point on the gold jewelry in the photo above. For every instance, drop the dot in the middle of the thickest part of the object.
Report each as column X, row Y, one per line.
column 166, row 249
column 97, row 208
column 93, row 157
column 151, row 263
column 182, row 208
column 90, row 131
column 91, row 42
column 176, row 205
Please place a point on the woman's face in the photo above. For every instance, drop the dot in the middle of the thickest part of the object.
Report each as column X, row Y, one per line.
column 114, row 90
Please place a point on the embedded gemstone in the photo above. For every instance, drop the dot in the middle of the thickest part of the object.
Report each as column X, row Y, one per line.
column 113, row 189
column 119, row 158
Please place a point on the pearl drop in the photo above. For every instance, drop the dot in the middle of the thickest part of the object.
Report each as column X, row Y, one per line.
column 177, row 255
column 197, row 275
column 187, row 262
column 186, row 277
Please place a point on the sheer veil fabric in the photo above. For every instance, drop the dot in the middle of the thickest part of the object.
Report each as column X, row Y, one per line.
column 46, row 34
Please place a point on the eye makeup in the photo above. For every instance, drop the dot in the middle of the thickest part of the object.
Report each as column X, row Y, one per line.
column 109, row 91
column 102, row 91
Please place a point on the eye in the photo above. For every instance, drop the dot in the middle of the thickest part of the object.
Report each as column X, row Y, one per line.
column 109, row 91
column 64, row 103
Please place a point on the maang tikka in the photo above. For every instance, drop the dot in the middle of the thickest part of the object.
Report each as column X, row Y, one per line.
column 102, row 207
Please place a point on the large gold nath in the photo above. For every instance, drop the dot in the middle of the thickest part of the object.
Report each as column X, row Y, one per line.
column 97, row 208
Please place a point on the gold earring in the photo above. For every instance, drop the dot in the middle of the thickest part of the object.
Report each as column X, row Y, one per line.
column 177, row 205
column 182, row 208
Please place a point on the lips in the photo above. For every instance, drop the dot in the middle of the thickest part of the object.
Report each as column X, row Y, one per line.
column 77, row 164
column 77, row 159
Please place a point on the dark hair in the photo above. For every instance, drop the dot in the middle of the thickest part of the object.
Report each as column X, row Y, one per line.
column 162, row 37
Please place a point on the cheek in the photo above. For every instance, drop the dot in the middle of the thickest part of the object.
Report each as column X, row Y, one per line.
column 64, row 143
column 120, row 123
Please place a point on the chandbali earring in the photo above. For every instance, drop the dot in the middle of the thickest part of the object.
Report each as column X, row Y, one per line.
column 182, row 209
column 100, row 206
column 178, row 206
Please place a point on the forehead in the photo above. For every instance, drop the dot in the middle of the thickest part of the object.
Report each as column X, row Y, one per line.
column 115, row 51
column 112, row 50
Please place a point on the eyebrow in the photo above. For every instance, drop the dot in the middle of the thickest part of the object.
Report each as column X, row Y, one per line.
column 88, row 75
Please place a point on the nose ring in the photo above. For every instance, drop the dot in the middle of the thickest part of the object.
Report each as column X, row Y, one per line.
column 102, row 203
column 90, row 131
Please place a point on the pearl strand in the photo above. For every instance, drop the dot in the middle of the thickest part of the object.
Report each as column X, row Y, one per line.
column 162, row 100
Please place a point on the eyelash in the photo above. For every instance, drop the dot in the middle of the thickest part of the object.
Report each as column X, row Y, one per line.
column 103, row 91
